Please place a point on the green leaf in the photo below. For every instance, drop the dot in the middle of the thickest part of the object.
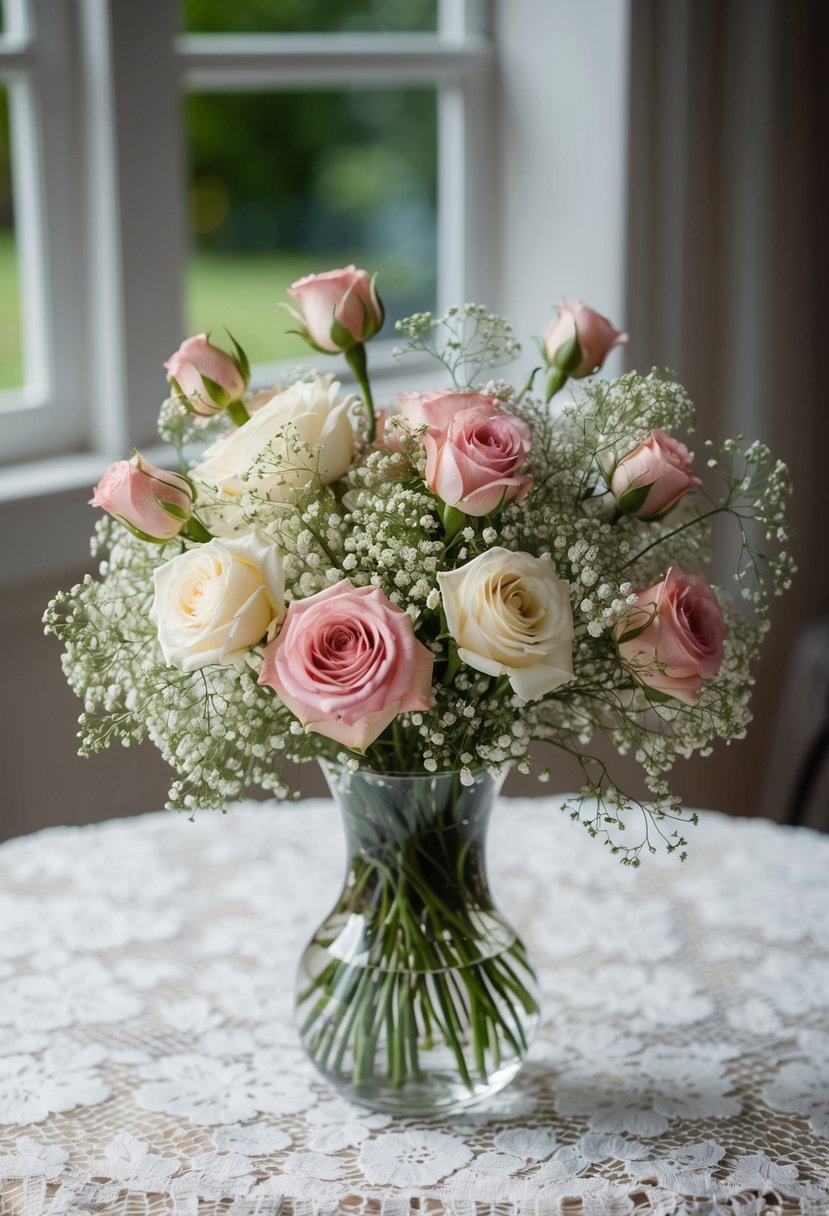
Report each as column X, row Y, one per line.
column 343, row 338
column 218, row 395
column 658, row 698
column 197, row 531
column 631, row 634
column 240, row 358
column 178, row 392
column 555, row 381
column 306, row 337
column 568, row 356
column 174, row 510
column 238, row 413
column 152, row 540
column 634, row 498
column 453, row 520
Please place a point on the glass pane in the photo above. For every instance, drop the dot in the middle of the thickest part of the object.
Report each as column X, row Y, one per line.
column 11, row 368
column 287, row 184
column 307, row 16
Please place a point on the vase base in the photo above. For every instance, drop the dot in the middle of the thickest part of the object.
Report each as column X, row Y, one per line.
column 439, row 1092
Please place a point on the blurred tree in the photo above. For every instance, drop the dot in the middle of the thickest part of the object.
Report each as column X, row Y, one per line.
column 316, row 171
column 308, row 16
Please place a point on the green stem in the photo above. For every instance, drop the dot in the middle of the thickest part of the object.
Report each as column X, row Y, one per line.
column 660, row 540
column 355, row 357
column 426, row 978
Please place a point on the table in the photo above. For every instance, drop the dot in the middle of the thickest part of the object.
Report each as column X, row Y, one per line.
column 148, row 1063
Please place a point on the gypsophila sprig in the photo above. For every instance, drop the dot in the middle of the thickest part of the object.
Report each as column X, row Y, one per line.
column 483, row 579
column 466, row 340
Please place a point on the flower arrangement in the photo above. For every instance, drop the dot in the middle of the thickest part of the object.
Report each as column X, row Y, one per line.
column 472, row 571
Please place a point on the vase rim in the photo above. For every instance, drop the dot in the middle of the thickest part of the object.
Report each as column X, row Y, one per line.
column 342, row 770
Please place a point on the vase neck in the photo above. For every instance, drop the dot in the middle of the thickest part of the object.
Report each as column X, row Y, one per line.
column 424, row 835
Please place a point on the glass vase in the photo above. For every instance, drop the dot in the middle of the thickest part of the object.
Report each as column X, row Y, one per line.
column 414, row 994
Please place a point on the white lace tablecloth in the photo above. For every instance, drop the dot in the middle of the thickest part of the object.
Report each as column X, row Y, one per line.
column 148, row 1062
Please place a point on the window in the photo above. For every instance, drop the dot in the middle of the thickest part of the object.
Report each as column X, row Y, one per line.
column 119, row 254
column 352, row 179
column 133, row 225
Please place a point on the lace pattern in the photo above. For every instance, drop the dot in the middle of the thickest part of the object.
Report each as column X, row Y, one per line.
column 149, row 1066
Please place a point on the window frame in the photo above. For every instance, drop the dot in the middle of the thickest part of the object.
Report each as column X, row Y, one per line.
column 94, row 301
column 36, row 50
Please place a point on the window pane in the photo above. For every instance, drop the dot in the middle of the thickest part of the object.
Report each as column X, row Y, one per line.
column 307, row 16
column 282, row 185
column 11, row 369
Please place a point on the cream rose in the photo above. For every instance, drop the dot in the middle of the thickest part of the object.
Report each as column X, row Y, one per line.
column 213, row 602
column 303, row 434
column 510, row 615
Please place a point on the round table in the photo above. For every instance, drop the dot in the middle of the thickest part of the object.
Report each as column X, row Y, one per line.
column 148, row 1062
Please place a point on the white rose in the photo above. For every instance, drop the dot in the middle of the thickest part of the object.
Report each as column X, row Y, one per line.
column 213, row 602
column 510, row 615
column 302, row 434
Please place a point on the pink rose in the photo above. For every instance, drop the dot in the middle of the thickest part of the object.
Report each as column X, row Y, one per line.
column 340, row 308
column 594, row 334
column 679, row 630
column 207, row 378
column 151, row 502
column 474, row 465
column 347, row 662
column 653, row 477
column 434, row 409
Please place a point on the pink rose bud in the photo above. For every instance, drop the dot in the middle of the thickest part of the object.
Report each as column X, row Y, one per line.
column 653, row 477
column 672, row 640
column 153, row 503
column 347, row 662
column 475, row 464
column 205, row 377
column 579, row 340
column 339, row 309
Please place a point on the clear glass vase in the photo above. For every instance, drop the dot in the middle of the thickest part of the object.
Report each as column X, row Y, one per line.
column 415, row 995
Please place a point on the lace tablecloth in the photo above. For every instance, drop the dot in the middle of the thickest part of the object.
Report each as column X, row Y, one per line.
column 148, row 1063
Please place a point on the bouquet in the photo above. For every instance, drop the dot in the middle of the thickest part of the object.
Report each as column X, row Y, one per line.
column 477, row 575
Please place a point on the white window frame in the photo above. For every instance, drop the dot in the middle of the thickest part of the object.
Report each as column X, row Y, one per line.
column 44, row 413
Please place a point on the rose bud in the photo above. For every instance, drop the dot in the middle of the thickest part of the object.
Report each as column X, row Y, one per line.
column 672, row 640
column 347, row 662
column 577, row 343
column 475, row 465
column 153, row 503
column 339, row 309
column 206, row 378
column 653, row 477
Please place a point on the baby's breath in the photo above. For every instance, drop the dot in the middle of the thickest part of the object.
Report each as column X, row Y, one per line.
column 381, row 526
